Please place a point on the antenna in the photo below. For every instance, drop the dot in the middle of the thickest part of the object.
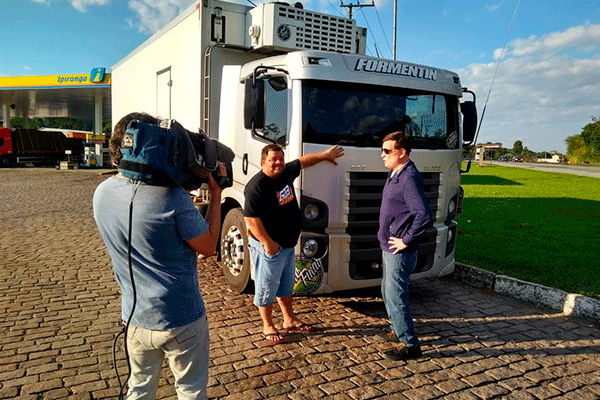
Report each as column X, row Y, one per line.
column 492, row 84
column 358, row 5
column 395, row 28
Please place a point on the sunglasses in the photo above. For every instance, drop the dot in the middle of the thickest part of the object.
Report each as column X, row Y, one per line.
column 388, row 151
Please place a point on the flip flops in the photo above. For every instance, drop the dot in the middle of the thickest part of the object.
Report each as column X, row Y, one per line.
column 273, row 338
column 300, row 328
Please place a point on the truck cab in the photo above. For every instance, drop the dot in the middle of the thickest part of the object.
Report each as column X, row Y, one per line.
column 307, row 101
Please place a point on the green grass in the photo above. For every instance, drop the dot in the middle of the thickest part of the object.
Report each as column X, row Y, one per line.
column 536, row 226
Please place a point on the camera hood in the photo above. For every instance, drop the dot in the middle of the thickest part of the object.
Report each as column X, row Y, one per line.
column 173, row 155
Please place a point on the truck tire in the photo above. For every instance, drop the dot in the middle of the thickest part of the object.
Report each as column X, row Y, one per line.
column 235, row 256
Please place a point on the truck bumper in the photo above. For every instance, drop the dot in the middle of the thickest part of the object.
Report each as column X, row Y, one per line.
column 345, row 263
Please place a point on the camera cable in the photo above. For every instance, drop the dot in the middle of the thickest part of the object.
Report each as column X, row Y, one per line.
column 134, row 293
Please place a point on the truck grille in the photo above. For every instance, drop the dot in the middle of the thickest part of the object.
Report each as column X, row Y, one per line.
column 364, row 202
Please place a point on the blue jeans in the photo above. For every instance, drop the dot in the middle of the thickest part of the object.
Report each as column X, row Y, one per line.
column 394, row 289
column 185, row 347
column 273, row 274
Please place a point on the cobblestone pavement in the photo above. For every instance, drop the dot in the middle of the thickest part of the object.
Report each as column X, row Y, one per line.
column 59, row 307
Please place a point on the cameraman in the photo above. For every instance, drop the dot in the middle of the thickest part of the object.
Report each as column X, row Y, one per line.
column 167, row 232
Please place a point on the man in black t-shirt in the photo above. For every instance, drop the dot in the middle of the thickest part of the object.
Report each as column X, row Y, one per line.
column 272, row 214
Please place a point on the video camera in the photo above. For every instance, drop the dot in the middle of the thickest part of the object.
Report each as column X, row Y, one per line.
column 168, row 154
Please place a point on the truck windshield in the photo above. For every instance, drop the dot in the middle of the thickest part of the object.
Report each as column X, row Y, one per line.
column 361, row 115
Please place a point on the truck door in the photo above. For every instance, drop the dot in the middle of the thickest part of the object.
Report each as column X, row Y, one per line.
column 276, row 122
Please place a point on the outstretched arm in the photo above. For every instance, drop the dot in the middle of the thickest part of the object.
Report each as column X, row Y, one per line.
column 330, row 155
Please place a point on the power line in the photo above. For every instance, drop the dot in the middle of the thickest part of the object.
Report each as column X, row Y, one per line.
column 358, row 5
column 382, row 30
column 367, row 22
column 496, row 71
column 335, row 8
column 377, row 50
column 490, row 90
column 370, row 30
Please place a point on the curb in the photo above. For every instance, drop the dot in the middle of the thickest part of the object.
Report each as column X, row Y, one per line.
column 570, row 304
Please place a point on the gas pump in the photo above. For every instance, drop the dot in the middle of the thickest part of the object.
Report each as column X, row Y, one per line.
column 94, row 149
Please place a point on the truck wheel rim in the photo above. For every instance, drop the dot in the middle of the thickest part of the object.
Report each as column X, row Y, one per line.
column 233, row 251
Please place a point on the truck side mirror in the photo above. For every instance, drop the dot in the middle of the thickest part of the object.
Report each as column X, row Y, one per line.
column 254, row 104
column 469, row 112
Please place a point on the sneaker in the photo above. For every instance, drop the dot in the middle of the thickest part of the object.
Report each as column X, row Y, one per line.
column 388, row 336
column 403, row 352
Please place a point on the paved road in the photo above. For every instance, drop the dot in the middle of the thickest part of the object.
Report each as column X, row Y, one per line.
column 59, row 307
column 583, row 170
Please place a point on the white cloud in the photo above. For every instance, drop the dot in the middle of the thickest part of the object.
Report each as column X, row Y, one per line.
column 493, row 7
column 152, row 15
column 82, row 5
column 545, row 90
column 79, row 5
column 584, row 38
column 497, row 54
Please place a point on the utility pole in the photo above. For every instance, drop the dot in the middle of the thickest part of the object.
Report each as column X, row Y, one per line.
column 395, row 28
column 358, row 5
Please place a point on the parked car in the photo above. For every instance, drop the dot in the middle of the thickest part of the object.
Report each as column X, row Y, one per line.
column 505, row 158
column 517, row 159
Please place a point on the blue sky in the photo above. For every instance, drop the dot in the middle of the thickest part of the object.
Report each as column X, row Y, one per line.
column 547, row 86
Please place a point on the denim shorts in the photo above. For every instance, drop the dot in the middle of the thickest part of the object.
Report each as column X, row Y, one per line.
column 273, row 274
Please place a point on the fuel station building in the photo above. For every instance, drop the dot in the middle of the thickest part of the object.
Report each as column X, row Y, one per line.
column 79, row 96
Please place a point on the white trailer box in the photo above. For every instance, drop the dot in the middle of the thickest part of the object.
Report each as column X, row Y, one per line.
column 176, row 73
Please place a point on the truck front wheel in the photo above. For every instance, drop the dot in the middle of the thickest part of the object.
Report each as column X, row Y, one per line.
column 235, row 256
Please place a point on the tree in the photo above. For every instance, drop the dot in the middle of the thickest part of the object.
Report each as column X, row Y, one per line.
column 501, row 151
column 107, row 128
column 58, row 122
column 528, row 155
column 591, row 136
column 518, row 147
column 574, row 143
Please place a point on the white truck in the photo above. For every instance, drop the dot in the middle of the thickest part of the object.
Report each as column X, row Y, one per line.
column 279, row 73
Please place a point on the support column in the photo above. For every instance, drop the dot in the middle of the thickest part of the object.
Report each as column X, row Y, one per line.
column 98, row 148
column 5, row 116
column 24, row 110
column 98, row 113
column 482, row 156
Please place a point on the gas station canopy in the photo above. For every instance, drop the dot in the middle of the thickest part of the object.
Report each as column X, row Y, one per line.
column 80, row 96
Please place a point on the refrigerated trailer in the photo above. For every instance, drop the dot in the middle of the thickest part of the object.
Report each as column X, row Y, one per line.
column 281, row 74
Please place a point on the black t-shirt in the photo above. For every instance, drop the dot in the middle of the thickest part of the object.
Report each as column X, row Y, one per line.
column 274, row 202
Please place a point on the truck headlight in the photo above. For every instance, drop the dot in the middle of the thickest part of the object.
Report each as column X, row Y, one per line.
column 315, row 214
column 311, row 211
column 450, row 237
column 310, row 248
column 451, row 207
